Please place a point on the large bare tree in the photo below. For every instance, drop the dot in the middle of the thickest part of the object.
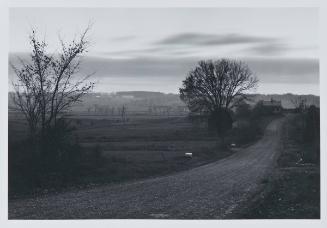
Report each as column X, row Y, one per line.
column 216, row 86
column 46, row 85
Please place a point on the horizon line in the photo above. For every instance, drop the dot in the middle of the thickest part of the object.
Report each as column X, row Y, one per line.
column 165, row 93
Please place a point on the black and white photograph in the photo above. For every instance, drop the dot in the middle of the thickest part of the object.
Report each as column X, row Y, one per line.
column 164, row 113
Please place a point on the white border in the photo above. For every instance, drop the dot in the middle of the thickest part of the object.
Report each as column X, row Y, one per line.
column 164, row 3
column 4, row 43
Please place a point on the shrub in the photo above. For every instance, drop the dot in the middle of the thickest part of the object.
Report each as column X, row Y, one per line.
column 243, row 111
column 246, row 132
column 247, row 123
column 311, row 134
column 50, row 160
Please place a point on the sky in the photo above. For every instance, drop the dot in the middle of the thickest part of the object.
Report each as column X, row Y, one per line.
column 153, row 49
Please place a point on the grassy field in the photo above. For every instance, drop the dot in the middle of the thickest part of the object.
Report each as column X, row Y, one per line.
column 293, row 191
column 143, row 146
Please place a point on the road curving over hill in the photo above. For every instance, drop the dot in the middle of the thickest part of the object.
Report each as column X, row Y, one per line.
column 212, row 191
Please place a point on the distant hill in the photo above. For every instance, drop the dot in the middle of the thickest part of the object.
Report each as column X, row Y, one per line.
column 286, row 99
column 142, row 100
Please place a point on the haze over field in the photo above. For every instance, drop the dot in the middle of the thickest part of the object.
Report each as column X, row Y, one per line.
column 130, row 51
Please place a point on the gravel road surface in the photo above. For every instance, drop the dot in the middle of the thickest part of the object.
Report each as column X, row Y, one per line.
column 211, row 191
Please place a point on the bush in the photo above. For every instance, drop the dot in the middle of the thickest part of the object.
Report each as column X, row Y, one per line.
column 247, row 123
column 243, row 111
column 246, row 132
column 23, row 166
column 306, row 132
column 312, row 124
column 259, row 110
column 311, row 134
column 52, row 160
column 220, row 122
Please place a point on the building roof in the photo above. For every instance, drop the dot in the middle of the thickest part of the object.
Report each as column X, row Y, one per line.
column 272, row 103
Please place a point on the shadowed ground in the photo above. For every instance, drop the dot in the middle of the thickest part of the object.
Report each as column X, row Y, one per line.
column 210, row 191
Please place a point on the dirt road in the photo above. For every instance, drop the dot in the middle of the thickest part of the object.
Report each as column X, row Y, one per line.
column 212, row 191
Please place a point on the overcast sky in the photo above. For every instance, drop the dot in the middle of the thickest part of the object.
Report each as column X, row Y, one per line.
column 153, row 49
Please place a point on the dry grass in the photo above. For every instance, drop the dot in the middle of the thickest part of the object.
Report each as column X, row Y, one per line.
column 293, row 191
column 140, row 148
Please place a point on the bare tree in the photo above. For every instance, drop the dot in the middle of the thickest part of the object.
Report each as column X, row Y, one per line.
column 46, row 87
column 216, row 86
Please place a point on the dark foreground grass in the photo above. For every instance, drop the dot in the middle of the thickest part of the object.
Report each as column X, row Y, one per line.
column 113, row 152
column 113, row 169
column 293, row 190
column 293, row 194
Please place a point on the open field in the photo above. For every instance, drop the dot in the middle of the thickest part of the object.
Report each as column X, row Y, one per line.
column 210, row 191
column 141, row 147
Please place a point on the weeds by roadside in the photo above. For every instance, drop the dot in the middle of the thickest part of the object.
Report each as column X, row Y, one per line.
column 293, row 191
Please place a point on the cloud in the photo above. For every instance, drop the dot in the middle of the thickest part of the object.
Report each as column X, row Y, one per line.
column 134, row 51
column 272, row 48
column 268, row 70
column 275, row 48
column 285, row 70
column 201, row 39
column 139, row 67
column 147, row 52
column 193, row 43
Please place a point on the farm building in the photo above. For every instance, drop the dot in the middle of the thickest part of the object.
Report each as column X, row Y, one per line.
column 273, row 105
